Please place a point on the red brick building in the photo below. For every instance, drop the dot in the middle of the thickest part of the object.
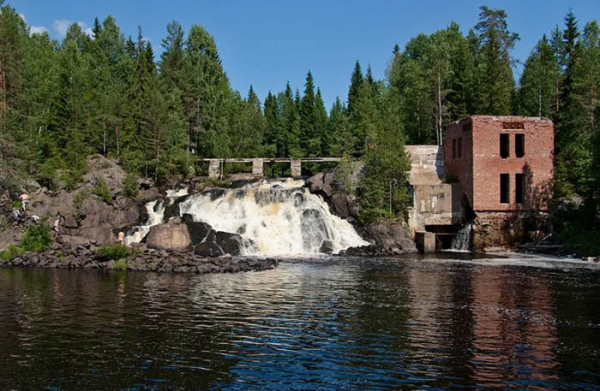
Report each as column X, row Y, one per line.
column 504, row 165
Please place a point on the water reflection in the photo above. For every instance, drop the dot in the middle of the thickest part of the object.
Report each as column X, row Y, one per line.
column 318, row 324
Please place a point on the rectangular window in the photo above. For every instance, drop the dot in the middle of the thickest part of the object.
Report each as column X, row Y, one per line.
column 519, row 187
column 459, row 147
column 504, row 145
column 453, row 148
column 504, row 188
column 519, row 145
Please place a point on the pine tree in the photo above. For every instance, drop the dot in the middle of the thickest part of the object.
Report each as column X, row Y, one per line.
column 308, row 126
column 497, row 79
column 322, row 133
column 537, row 94
column 356, row 82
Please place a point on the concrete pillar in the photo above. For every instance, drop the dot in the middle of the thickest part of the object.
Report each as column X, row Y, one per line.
column 214, row 169
column 296, row 168
column 425, row 241
column 257, row 168
column 429, row 242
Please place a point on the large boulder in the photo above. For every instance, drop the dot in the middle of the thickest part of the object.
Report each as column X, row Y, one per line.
column 322, row 183
column 392, row 238
column 173, row 235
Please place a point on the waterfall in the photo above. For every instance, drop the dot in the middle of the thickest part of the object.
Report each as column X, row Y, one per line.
column 156, row 212
column 462, row 240
column 273, row 217
column 280, row 218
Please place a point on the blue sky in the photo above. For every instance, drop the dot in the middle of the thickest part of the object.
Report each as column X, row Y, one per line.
column 266, row 43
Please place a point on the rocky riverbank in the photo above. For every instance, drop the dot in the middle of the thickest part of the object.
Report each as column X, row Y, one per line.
column 85, row 256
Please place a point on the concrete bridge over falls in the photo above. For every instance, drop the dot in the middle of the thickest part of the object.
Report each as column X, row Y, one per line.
column 215, row 165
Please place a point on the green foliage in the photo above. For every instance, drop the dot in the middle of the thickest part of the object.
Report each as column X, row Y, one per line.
column 345, row 175
column 10, row 253
column 580, row 240
column 113, row 252
column 130, row 186
column 37, row 238
column 101, row 190
column 81, row 196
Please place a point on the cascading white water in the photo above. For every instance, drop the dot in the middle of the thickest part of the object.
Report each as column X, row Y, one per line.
column 273, row 218
column 462, row 240
column 156, row 212
column 280, row 218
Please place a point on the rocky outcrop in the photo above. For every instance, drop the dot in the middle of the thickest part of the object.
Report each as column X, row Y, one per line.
column 84, row 256
column 173, row 235
column 340, row 203
column 388, row 238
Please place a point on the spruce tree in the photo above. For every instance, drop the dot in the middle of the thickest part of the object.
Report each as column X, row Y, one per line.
column 497, row 79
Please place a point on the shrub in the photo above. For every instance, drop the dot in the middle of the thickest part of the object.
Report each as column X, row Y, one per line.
column 101, row 190
column 80, row 197
column 113, row 252
column 10, row 253
column 130, row 186
column 37, row 238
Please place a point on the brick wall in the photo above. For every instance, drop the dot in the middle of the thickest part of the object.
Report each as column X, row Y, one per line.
column 480, row 166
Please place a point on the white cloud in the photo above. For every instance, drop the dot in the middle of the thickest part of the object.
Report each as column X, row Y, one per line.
column 34, row 29
column 37, row 29
column 62, row 25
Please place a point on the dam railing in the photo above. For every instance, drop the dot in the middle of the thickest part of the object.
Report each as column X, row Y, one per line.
column 215, row 165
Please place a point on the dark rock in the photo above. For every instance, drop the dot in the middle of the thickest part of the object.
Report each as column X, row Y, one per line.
column 230, row 243
column 198, row 230
column 326, row 247
column 209, row 249
column 171, row 211
column 391, row 236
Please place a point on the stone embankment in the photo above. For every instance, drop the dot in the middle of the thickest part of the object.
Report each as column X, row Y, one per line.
column 84, row 256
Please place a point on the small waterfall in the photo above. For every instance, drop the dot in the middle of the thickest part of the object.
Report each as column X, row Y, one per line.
column 462, row 240
column 280, row 218
column 156, row 212
column 274, row 218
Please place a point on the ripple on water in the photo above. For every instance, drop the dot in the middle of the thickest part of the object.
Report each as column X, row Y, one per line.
column 310, row 324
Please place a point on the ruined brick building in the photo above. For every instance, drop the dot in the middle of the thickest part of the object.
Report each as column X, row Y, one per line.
column 503, row 166
column 505, row 169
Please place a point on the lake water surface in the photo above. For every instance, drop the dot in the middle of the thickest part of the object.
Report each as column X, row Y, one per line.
column 320, row 324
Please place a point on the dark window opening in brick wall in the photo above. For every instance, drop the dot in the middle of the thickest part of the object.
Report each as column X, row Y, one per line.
column 504, row 145
column 519, row 187
column 504, row 188
column 459, row 147
column 519, row 145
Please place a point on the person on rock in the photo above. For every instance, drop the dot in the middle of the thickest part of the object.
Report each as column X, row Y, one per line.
column 121, row 237
column 24, row 201
column 16, row 215
column 56, row 225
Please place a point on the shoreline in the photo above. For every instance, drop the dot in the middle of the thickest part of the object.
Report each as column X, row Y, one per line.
column 150, row 260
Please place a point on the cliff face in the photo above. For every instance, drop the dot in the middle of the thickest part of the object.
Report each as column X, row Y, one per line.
column 86, row 217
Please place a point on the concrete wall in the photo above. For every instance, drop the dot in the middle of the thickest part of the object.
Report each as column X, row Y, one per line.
column 435, row 203
column 427, row 164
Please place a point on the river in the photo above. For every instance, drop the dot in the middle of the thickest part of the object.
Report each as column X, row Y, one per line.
column 313, row 324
